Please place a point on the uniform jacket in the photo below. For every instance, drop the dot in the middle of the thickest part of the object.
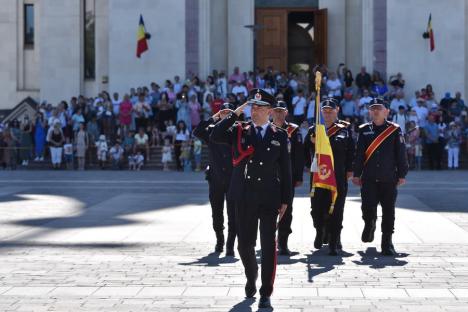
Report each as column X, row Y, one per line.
column 261, row 166
column 389, row 162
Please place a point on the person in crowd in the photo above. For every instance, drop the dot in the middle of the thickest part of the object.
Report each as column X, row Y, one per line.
column 56, row 139
column 182, row 135
column 68, row 153
column 142, row 142
column 26, row 141
column 116, row 154
column 39, row 136
column 102, row 149
column 166, row 154
column 82, row 143
column 454, row 140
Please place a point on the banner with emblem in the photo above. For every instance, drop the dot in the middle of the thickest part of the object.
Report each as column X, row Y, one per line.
column 324, row 173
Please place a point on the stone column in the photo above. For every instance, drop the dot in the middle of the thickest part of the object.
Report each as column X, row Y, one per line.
column 240, row 38
column 61, row 48
column 368, row 34
column 336, row 31
column 204, row 38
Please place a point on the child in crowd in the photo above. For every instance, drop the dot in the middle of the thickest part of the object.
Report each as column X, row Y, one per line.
column 185, row 156
column 170, row 130
column 418, row 152
column 139, row 160
column 166, row 154
column 135, row 161
column 154, row 136
column 68, row 152
column 102, row 148
column 197, row 153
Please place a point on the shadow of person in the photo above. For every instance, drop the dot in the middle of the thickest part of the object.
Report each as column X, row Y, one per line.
column 284, row 260
column 244, row 306
column 211, row 260
column 375, row 260
column 320, row 262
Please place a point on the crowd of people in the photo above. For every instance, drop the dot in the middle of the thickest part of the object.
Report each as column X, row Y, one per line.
column 117, row 131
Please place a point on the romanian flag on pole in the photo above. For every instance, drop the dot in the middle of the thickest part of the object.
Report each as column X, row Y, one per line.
column 142, row 36
column 323, row 173
column 430, row 32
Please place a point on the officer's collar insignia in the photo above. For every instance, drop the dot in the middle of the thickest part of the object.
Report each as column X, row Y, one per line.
column 276, row 143
column 258, row 96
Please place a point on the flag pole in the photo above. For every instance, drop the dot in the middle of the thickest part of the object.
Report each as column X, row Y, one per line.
column 315, row 160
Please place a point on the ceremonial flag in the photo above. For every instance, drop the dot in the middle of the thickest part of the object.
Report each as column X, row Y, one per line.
column 430, row 32
column 142, row 36
column 323, row 173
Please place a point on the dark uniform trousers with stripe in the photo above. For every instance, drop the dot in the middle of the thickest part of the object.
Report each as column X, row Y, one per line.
column 261, row 182
column 380, row 174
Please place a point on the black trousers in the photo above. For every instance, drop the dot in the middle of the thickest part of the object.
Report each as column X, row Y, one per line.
column 435, row 156
column 284, row 226
column 177, row 153
column 218, row 193
column 383, row 193
column 252, row 210
column 321, row 202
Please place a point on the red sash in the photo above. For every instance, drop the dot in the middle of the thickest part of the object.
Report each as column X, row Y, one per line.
column 242, row 153
column 333, row 130
column 378, row 141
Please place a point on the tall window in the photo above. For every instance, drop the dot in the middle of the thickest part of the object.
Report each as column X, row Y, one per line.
column 29, row 26
column 89, row 40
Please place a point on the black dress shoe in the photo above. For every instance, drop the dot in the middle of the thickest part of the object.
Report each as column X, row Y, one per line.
column 339, row 246
column 250, row 289
column 368, row 232
column 388, row 251
column 284, row 251
column 318, row 239
column 332, row 248
column 387, row 245
column 264, row 303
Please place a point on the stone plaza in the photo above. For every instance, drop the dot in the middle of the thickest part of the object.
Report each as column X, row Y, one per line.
column 142, row 241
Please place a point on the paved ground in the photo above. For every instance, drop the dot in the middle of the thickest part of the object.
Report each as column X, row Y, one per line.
column 142, row 241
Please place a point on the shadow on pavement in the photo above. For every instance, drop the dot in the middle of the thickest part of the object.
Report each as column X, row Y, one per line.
column 320, row 262
column 21, row 244
column 375, row 260
column 212, row 259
column 244, row 306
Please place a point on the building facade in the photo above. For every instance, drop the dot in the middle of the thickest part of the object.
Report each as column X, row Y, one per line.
column 55, row 49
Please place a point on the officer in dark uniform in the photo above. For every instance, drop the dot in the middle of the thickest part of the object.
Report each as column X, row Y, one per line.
column 296, row 146
column 380, row 166
column 260, row 185
column 218, row 174
column 343, row 147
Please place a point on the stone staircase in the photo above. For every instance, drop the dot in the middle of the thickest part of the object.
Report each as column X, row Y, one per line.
column 154, row 162
column 156, row 155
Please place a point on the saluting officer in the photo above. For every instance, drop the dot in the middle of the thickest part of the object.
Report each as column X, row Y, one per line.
column 343, row 147
column 260, row 185
column 380, row 166
column 296, row 146
column 218, row 174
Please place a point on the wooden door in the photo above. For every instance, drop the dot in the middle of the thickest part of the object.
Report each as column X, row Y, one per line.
column 272, row 43
column 320, row 33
